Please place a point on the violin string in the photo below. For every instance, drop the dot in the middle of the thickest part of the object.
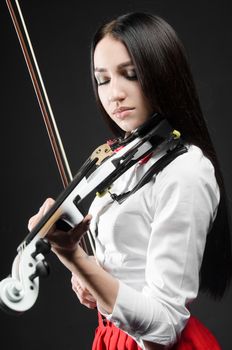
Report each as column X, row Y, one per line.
column 91, row 242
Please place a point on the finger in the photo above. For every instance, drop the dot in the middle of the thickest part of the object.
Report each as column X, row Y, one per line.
column 87, row 218
column 86, row 302
column 83, row 293
column 47, row 205
column 75, row 280
column 90, row 298
column 81, row 228
column 90, row 305
column 84, row 225
column 33, row 221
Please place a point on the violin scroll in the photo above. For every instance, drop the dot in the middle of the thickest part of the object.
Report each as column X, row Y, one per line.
column 19, row 292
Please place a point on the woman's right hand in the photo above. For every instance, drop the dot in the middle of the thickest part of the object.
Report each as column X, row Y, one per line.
column 83, row 293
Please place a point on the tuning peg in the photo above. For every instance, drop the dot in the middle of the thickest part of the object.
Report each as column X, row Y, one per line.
column 41, row 246
column 41, row 270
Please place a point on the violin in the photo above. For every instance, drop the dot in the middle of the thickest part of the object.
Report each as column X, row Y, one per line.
column 19, row 291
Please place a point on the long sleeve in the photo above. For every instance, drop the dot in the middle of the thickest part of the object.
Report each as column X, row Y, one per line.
column 157, row 256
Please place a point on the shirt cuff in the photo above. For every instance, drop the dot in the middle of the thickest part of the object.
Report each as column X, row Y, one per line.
column 141, row 316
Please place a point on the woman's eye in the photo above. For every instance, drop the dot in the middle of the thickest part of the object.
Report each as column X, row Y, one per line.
column 131, row 75
column 102, row 81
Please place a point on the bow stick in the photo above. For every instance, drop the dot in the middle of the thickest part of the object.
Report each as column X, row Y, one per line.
column 45, row 106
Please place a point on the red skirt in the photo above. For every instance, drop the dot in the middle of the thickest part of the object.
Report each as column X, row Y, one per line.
column 195, row 336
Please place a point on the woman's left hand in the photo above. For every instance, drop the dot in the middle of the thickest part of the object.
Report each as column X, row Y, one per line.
column 66, row 242
column 63, row 242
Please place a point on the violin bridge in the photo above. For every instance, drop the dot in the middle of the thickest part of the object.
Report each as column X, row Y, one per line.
column 101, row 152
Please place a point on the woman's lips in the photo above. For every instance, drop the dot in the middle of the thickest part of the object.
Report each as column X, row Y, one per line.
column 123, row 113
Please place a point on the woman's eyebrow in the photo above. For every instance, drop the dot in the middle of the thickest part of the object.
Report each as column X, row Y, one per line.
column 121, row 65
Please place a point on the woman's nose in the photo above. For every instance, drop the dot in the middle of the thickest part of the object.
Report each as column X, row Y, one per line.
column 116, row 93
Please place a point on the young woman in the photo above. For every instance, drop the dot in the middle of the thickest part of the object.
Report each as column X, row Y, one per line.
column 169, row 239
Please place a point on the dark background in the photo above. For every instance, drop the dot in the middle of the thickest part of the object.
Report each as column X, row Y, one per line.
column 61, row 32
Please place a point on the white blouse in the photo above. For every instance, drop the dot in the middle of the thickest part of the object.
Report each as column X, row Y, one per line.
column 153, row 244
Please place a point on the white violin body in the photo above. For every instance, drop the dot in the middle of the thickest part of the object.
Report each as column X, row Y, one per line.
column 19, row 291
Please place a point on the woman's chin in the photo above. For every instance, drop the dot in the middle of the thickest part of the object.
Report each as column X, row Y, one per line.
column 129, row 127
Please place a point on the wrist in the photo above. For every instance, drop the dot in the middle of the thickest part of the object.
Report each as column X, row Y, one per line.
column 69, row 256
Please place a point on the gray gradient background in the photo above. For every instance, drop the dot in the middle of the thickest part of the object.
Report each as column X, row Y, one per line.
column 61, row 32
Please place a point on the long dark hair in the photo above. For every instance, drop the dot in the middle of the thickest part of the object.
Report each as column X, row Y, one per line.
column 164, row 75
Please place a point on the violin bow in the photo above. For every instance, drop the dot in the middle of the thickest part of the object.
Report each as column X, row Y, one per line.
column 45, row 106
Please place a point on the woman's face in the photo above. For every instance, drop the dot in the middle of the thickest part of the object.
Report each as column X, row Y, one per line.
column 118, row 87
